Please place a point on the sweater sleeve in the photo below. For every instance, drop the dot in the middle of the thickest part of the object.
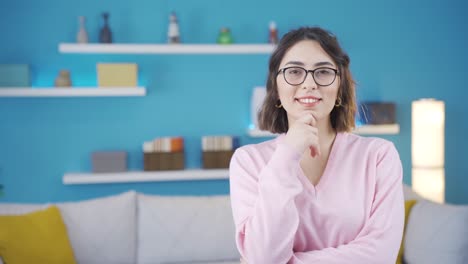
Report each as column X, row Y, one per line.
column 262, row 199
column 380, row 238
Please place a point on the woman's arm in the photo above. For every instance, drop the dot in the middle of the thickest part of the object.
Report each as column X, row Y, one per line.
column 380, row 239
column 265, row 214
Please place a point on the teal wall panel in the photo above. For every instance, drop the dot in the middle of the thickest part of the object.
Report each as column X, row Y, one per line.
column 400, row 51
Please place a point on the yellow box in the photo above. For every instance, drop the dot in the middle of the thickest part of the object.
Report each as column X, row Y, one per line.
column 117, row 74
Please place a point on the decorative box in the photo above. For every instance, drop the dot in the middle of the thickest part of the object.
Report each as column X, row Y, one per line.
column 109, row 161
column 14, row 75
column 117, row 74
column 377, row 113
column 154, row 161
column 217, row 159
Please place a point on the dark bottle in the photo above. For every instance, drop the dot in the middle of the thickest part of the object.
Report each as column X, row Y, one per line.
column 105, row 35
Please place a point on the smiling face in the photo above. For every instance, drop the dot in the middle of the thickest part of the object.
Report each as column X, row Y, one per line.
column 309, row 96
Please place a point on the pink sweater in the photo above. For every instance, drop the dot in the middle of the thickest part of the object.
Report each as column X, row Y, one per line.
column 355, row 214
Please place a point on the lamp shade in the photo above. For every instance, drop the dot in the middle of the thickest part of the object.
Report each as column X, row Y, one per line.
column 429, row 183
column 427, row 149
column 427, row 137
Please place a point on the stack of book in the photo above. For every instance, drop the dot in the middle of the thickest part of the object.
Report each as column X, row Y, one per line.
column 217, row 151
column 166, row 153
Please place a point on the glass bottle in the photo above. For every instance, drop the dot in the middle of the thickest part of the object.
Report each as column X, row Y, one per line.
column 225, row 36
column 105, row 35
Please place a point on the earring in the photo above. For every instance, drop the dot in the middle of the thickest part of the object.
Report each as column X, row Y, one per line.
column 338, row 102
column 278, row 105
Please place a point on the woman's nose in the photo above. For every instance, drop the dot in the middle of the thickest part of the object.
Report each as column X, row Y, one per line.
column 309, row 82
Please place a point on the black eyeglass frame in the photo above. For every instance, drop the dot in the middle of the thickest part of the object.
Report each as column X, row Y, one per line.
column 307, row 73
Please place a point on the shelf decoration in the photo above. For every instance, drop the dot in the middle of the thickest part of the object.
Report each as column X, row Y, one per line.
column 82, row 35
column 105, row 35
column 273, row 33
column 225, row 36
column 217, row 151
column 256, row 101
column 117, row 74
column 14, row 75
column 63, row 79
column 109, row 161
column 173, row 35
column 376, row 113
column 166, row 153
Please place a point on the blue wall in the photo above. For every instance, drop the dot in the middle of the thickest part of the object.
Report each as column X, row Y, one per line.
column 400, row 51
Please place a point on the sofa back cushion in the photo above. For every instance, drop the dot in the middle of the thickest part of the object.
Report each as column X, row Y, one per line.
column 185, row 229
column 437, row 233
column 102, row 230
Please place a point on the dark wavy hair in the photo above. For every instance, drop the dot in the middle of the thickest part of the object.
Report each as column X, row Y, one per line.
column 342, row 118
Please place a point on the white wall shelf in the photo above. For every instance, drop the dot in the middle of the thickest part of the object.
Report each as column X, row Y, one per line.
column 167, row 48
column 146, row 176
column 391, row 129
column 71, row 92
column 259, row 133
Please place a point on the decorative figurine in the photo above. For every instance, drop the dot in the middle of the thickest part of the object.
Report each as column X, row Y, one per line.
column 173, row 35
column 105, row 36
column 273, row 36
column 225, row 36
column 82, row 36
column 63, row 79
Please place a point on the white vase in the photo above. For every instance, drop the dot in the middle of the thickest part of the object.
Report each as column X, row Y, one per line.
column 82, row 35
column 258, row 95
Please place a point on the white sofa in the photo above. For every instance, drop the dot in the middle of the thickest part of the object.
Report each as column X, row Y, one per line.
column 134, row 228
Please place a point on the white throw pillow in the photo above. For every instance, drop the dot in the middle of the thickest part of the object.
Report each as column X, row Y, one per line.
column 185, row 229
column 102, row 230
column 437, row 234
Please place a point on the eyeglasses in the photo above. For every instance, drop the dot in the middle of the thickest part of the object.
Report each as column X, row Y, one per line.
column 323, row 76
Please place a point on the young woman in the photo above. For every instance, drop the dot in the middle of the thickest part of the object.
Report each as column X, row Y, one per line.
column 316, row 193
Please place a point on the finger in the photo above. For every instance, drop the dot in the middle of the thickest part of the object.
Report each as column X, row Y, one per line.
column 314, row 121
column 307, row 119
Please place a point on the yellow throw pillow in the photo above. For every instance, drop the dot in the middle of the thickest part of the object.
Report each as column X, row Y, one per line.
column 37, row 237
column 408, row 205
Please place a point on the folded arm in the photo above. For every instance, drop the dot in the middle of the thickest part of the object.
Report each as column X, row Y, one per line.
column 380, row 239
column 265, row 214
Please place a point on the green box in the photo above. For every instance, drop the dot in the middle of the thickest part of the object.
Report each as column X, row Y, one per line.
column 14, row 75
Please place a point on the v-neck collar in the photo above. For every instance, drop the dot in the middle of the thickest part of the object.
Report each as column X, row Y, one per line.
column 314, row 189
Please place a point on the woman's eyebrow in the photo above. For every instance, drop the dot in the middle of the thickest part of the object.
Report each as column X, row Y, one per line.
column 295, row 63
column 321, row 63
